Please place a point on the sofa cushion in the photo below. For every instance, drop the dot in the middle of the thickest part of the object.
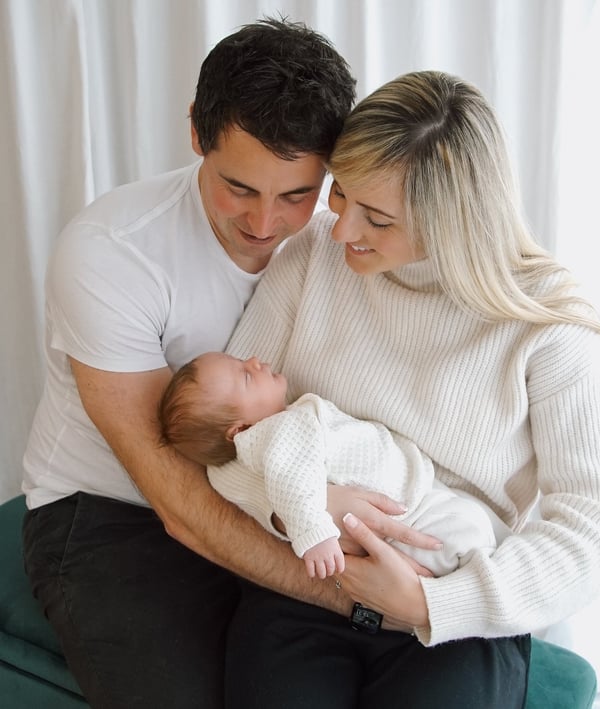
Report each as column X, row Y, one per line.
column 27, row 641
column 559, row 678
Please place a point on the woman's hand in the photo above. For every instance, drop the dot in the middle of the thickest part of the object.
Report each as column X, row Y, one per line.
column 374, row 509
column 384, row 580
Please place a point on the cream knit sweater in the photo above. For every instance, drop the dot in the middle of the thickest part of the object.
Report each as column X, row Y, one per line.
column 503, row 409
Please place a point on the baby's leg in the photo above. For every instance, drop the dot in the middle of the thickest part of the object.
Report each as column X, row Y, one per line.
column 460, row 523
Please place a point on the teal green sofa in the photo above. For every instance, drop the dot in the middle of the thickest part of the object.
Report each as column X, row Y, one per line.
column 33, row 671
column 34, row 675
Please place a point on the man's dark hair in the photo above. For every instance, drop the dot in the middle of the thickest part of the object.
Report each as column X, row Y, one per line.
column 280, row 81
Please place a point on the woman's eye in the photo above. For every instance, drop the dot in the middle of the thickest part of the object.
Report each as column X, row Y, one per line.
column 377, row 225
column 336, row 191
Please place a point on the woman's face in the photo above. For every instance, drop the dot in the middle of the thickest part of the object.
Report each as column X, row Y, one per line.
column 372, row 226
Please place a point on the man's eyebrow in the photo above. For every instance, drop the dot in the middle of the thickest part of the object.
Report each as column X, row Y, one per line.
column 305, row 189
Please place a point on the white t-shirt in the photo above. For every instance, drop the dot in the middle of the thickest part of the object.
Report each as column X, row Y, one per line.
column 137, row 281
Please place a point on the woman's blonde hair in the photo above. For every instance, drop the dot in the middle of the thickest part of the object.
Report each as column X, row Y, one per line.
column 438, row 138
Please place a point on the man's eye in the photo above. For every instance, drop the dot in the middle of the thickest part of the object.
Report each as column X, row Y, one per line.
column 295, row 198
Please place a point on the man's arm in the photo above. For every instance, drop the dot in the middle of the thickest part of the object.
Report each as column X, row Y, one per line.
column 123, row 407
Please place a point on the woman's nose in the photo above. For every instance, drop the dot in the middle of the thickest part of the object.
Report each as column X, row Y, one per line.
column 341, row 231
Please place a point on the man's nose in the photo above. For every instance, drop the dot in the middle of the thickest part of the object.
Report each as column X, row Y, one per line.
column 263, row 220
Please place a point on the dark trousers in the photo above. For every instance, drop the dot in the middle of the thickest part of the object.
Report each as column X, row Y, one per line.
column 283, row 654
column 141, row 619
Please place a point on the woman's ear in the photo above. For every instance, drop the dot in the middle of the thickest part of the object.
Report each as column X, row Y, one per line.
column 194, row 134
column 235, row 429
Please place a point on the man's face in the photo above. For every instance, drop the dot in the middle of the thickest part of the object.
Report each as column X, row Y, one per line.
column 255, row 200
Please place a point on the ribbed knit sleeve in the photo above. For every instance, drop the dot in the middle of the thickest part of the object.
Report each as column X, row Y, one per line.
column 551, row 567
column 245, row 487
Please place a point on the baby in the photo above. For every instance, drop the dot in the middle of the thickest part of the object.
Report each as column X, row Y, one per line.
column 273, row 459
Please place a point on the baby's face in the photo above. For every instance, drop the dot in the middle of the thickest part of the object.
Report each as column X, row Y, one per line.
column 248, row 385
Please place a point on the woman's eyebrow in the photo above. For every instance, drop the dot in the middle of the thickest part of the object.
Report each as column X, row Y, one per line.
column 375, row 209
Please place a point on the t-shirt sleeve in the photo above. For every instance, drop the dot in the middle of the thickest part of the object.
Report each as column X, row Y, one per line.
column 107, row 304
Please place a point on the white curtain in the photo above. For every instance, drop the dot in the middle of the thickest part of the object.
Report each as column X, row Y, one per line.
column 95, row 93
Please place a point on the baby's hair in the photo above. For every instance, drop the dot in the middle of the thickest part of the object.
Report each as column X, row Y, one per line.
column 193, row 422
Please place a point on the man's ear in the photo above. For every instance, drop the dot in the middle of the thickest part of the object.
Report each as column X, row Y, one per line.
column 195, row 140
column 235, row 429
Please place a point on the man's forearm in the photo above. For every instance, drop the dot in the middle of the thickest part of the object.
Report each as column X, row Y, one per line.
column 218, row 530
column 123, row 407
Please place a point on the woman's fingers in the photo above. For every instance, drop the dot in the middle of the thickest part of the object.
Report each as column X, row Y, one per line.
column 393, row 529
column 361, row 534
column 375, row 547
column 374, row 508
column 389, row 528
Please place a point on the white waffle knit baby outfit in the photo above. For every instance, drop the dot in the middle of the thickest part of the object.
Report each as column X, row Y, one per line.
column 284, row 463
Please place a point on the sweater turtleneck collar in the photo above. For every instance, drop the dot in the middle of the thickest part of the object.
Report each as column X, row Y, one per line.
column 416, row 276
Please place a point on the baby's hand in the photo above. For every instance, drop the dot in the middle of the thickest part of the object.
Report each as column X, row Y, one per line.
column 324, row 559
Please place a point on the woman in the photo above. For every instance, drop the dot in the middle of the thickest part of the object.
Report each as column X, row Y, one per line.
column 427, row 305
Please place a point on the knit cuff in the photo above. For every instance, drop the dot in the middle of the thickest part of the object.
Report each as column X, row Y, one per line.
column 319, row 532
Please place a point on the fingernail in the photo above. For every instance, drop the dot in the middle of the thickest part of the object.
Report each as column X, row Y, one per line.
column 349, row 520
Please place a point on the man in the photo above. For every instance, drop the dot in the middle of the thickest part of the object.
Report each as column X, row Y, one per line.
column 124, row 539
